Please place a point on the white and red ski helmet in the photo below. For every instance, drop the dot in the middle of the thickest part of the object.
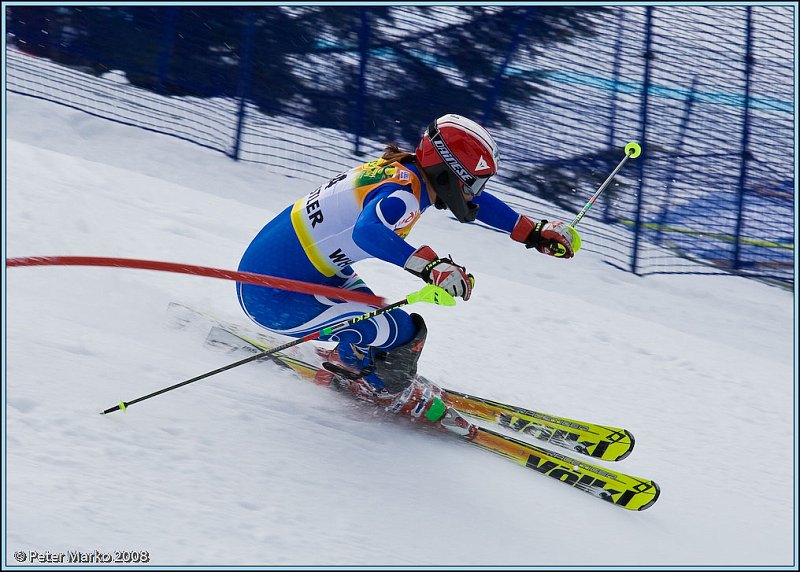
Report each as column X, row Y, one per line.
column 457, row 155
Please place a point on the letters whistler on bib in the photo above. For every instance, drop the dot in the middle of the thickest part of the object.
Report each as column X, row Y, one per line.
column 325, row 218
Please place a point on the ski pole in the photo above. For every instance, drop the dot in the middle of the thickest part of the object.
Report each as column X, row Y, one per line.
column 430, row 293
column 632, row 150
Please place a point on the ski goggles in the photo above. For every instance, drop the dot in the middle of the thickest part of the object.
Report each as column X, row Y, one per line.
column 472, row 184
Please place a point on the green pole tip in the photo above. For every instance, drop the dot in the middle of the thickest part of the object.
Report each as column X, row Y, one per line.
column 633, row 149
column 433, row 295
column 122, row 406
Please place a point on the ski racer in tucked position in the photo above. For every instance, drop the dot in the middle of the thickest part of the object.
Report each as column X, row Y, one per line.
column 368, row 212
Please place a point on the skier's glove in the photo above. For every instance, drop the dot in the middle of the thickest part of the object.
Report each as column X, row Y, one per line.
column 443, row 272
column 552, row 238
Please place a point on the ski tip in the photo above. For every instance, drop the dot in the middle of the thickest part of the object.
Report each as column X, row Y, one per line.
column 654, row 499
column 630, row 449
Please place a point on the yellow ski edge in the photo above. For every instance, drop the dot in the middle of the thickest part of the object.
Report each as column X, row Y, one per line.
column 623, row 490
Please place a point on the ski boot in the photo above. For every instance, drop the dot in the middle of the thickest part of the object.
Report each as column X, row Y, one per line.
column 389, row 378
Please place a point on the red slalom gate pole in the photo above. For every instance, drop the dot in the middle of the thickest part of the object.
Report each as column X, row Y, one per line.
column 179, row 268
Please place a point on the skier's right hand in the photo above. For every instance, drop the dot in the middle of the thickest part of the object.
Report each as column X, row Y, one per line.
column 442, row 272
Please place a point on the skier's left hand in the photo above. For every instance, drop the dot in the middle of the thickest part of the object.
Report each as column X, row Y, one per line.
column 442, row 272
column 554, row 238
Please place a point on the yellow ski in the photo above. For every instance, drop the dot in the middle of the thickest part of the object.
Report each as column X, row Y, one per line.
column 598, row 441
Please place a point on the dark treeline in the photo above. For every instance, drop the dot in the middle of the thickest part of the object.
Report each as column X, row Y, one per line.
column 365, row 70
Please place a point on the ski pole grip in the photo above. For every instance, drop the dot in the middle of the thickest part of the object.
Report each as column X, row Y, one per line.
column 433, row 295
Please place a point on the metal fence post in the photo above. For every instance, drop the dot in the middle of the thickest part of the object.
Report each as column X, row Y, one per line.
column 166, row 48
column 612, row 121
column 687, row 113
column 494, row 93
column 648, row 57
column 361, row 95
column 615, row 75
column 245, row 75
column 748, row 68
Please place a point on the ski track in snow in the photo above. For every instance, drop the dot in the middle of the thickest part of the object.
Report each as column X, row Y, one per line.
column 254, row 467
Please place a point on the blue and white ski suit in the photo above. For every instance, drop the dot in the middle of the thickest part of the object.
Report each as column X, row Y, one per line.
column 365, row 212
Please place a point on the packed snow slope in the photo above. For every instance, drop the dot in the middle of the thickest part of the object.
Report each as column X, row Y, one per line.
column 255, row 467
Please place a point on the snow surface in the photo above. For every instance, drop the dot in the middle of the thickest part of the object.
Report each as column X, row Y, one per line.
column 254, row 467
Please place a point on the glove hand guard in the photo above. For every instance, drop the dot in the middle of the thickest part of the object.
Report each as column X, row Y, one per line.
column 442, row 272
column 552, row 238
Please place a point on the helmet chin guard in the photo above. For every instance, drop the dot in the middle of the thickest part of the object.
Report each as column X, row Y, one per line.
column 458, row 157
column 448, row 193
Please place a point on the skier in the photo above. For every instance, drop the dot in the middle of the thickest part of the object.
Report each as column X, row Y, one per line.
column 367, row 212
